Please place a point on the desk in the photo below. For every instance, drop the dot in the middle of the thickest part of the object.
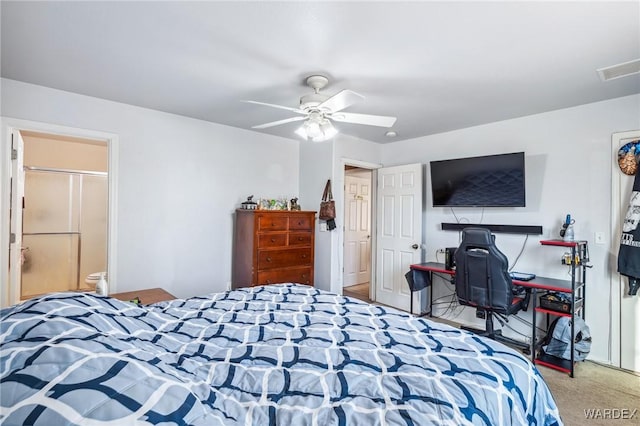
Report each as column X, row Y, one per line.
column 542, row 284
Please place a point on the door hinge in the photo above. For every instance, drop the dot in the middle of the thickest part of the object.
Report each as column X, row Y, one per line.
column 12, row 238
column 14, row 154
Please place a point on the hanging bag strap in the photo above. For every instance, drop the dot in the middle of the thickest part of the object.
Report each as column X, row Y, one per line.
column 327, row 195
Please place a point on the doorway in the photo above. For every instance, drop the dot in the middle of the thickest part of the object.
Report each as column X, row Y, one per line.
column 624, row 308
column 395, row 224
column 357, row 232
column 64, row 196
column 64, row 223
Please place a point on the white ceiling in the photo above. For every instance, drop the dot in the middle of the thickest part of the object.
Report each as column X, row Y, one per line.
column 437, row 66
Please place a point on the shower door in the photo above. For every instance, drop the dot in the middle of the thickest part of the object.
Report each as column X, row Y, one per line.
column 64, row 230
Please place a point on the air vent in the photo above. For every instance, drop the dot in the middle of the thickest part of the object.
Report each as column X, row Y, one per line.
column 620, row 70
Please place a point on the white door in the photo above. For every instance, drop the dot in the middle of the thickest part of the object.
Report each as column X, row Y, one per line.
column 17, row 196
column 357, row 233
column 626, row 308
column 399, row 232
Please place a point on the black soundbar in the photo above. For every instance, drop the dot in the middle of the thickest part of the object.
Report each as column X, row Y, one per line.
column 505, row 229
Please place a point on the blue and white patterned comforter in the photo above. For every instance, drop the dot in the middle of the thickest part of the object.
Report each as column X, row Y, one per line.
column 273, row 355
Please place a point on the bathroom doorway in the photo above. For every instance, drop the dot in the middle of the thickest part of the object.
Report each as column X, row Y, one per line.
column 64, row 213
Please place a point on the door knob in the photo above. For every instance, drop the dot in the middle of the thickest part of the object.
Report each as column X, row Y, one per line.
column 415, row 246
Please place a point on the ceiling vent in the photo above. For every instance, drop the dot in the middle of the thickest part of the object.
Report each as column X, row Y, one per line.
column 621, row 70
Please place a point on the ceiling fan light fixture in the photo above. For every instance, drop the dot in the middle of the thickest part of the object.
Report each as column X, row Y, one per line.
column 317, row 129
column 312, row 127
column 328, row 131
column 302, row 132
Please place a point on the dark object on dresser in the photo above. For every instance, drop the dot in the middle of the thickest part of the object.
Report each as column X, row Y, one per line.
column 273, row 247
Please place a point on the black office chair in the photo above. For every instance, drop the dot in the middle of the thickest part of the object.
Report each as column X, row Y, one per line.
column 483, row 281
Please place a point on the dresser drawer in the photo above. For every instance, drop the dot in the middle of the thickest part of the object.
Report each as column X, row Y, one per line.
column 289, row 275
column 270, row 259
column 298, row 223
column 300, row 238
column 272, row 240
column 272, row 223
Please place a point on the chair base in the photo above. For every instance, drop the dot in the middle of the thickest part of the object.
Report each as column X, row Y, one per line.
column 498, row 337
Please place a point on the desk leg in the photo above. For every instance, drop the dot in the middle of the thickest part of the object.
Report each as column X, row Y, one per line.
column 431, row 294
column 534, row 295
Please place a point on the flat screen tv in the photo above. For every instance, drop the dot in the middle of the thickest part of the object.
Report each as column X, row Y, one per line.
column 488, row 181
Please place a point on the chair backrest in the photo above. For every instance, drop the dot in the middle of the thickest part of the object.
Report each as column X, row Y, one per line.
column 482, row 272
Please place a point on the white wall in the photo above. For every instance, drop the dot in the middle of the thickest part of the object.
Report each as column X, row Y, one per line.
column 179, row 182
column 315, row 169
column 568, row 170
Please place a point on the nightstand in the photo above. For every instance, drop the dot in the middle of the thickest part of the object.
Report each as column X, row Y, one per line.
column 147, row 297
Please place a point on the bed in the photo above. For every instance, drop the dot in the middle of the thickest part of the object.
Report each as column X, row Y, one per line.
column 282, row 354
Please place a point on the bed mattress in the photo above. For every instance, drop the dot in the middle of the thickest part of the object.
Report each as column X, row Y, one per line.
column 271, row 355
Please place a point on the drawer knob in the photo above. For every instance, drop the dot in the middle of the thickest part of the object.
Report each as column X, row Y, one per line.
column 268, row 259
column 304, row 276
column 300, row 238
column 304, row 256
column 268, row 281
column 273, row 240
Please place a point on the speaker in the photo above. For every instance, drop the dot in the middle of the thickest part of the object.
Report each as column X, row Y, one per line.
column 450, row 258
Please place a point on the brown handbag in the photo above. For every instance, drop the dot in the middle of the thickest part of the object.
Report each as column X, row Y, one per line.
column 327, row 205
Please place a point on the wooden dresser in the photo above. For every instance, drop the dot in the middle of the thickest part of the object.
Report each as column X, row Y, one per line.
column 273, row 246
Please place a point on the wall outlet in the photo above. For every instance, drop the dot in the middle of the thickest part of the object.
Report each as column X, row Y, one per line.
column 599, row 238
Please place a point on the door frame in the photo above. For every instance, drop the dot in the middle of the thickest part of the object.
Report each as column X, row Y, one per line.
column 373, row 201
column 617, row 284
column 10, row 295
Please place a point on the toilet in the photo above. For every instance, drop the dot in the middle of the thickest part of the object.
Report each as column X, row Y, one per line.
column 92, row 279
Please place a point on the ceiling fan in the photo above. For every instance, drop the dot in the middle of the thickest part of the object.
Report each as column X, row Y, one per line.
column 317, row 110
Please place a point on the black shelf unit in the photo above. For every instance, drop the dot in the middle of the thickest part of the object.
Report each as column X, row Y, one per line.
column 575, row 288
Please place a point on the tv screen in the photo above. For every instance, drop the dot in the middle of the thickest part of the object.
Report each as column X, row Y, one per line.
column 488, row 181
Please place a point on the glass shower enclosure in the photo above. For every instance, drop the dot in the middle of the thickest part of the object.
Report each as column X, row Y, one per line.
column 64, row 229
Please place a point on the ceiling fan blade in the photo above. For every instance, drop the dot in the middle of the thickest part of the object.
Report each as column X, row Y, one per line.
column 341, row 100
column 279, row 122
column 296, row 110
column 370, row 120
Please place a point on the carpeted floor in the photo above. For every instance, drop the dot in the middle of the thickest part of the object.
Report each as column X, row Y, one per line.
column 596, row 395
